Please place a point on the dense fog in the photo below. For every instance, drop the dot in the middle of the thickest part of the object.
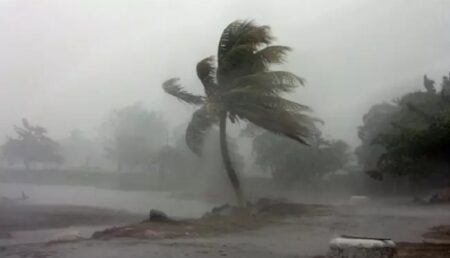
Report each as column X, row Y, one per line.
column 67, row 64
column 335, row 109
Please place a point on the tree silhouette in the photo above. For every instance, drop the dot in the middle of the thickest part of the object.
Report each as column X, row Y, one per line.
column 241, row 86
column 32, row 145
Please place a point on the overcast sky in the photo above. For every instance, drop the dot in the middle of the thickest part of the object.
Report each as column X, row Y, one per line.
column 64, row 64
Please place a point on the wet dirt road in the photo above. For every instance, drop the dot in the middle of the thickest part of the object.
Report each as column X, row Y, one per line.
column 300, row 237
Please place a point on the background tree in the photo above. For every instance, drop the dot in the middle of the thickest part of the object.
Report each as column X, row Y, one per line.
column 186, row 165
column 376, row 121
column 290, row 163
column 32, row 145
column 81, row 151
column 133, row 136
column 242, row 87
column 414, row 139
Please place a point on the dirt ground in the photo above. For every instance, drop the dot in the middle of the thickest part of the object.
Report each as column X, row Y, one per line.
column 263, row 213
column 436, row 244
column 287, row 236
column 423, row 250
column 439, row 233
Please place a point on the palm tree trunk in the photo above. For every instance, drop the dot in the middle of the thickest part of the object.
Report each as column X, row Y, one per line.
column 227, row 161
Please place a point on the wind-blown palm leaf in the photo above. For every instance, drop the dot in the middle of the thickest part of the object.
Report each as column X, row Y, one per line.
column 266, row 101
column 229, row 37
column 270, row 55
column 242, row 60
column 276, row 121
column 172, row 87
column 256, row 35
column 243, row 32
column 274, row 103
column 238, row 62
column 267, row 83
column 307, row 120
column 206, row 72
column 198, row 126
column 238, row 43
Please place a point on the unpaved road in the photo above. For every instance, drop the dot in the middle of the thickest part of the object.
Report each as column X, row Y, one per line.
column 300, row 237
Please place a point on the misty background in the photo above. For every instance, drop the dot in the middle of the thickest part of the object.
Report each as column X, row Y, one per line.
column 66, row 64
column 87, row 122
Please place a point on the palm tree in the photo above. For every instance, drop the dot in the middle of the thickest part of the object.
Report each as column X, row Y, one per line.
column 240, row 86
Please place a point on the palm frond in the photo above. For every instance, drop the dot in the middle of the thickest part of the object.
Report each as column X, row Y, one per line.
column 238, row 62
column 240, row 33
column 237, row 50
column 309, row 121
column 243, row 60
column 256, row 35
column 267, row 83
column 276, row 121
column 206, row 72
column 172, row 87
column 198, row 126
column 266, row 101
column 271, row 55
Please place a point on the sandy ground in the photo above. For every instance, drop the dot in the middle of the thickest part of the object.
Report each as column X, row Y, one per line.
column 297, row 237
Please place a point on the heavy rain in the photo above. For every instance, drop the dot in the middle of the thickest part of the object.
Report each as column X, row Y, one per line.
column 225, row 128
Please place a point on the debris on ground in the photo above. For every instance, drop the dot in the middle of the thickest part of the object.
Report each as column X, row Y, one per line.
column 220, row 220
column 264, row 206
column 22, row 197
column 436, row 245
column 423, row 250
column 69, row 235
column 158, row 216
column 440, row 196
column 364, row 247
column 441, row 233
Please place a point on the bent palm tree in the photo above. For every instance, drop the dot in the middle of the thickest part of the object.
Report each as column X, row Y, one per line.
column 242, row 87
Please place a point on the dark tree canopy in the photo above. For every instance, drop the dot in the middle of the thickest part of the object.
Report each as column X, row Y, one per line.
column 413, row 137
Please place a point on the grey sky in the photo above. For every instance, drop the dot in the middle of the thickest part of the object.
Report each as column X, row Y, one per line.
column 65, row 64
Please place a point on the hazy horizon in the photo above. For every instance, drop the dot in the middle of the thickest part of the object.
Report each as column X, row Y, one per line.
column 66, row 64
